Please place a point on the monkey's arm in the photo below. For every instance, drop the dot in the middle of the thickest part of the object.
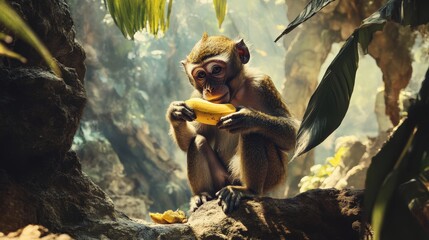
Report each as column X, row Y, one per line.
column 281, row 130
column 179, row 116
column 270, row 118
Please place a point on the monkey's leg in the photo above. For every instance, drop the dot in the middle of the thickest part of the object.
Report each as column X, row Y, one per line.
column 206, row 173
column 254, row 167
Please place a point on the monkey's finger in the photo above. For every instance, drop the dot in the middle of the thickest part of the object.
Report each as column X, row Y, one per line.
column 227, row 202
column 181, row 116
column 231, row 202
column 225, row 207
column 198, row 201
column 230, row 123
column 188, row 112
column 219, row 199
column 203, row 199
column 231, row 116
column 222, row 194
column 236, row 201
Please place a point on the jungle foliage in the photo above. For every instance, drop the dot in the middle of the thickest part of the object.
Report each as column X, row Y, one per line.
column 398, row 175
column 132, row 16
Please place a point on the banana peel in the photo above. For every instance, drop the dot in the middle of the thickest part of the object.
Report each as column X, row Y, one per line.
column 207, row 112
column 169, row 217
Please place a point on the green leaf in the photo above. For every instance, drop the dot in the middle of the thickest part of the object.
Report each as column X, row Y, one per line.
column 8, row 53
column 312, row 8
column 381, row 203
column 383, row 163
column 367, row 29
column 390, row 184
column 415, row 12
column 330, row 101
column 132, row 16
column 11, row 20
column 416, row 195
column 220, row 8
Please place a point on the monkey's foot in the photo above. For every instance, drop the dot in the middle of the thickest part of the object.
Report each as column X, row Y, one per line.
column 198, row 200
column 229, row 197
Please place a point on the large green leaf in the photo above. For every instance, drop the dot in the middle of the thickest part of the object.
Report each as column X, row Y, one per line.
column 220, row 8
column 330, row 101
column 132, row 16
column 312, row 7
column 13, row 22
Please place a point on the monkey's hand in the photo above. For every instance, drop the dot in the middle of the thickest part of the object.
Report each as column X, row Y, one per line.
column 243, row 121
column 229, row 197
column 198, row 200
column 178, row 111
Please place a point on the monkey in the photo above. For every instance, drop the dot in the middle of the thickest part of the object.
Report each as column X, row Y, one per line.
column 245, row 154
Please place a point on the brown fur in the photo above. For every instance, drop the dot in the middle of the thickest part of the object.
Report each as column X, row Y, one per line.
column 209, row 47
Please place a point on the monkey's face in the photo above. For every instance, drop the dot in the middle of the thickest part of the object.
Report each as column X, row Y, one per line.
column 210, row 79
column 213, row 66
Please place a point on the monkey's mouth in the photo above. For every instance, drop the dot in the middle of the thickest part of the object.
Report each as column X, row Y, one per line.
column 222, row 99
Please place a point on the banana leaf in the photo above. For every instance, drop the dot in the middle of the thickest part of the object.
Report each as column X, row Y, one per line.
column 330, row 101
column 310, row 9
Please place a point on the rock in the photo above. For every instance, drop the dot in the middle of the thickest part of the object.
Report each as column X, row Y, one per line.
column 39, row 114
column 316, row 214
column 64, row 200
column 34, row 232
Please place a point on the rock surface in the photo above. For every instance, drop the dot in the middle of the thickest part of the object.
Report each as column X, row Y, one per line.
column 33, row 232
column 316, row 214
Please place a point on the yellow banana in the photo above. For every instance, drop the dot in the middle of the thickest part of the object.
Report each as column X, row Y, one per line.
column 174, row 216
column 207, row 112
column 157, row 218
column 169, row 216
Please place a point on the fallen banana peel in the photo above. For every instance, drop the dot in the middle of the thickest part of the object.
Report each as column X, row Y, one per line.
column 169, row 217
column 207, row 112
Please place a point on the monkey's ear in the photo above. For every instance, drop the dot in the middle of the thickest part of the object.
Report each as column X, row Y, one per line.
column 243, row 51
column 183, row 62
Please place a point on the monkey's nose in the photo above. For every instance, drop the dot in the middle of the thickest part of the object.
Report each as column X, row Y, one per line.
column 209, row 89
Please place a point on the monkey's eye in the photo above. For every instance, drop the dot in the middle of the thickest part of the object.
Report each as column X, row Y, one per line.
column 216, row 69
column 201, row 75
